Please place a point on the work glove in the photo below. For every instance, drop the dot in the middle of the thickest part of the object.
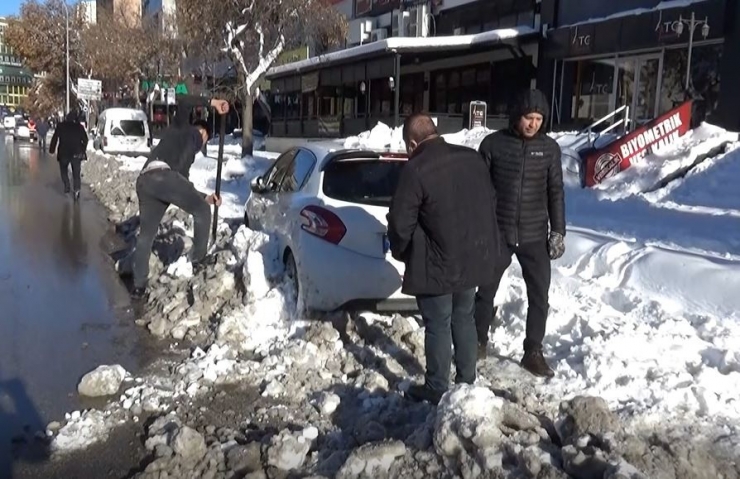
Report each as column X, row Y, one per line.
column 555, row 245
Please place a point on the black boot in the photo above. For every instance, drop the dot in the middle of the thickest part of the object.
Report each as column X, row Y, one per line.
column 534, row 362
column 139, row 294
column 421, row 392
column 66, row 189
column 482, row 351
column 204, row 264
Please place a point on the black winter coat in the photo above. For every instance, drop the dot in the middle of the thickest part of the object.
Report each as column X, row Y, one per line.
column 442, row 220
column 181, row 141
column 70, row 138
column 527, row 175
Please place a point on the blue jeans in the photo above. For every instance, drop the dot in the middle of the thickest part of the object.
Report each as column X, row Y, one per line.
column 449, row 320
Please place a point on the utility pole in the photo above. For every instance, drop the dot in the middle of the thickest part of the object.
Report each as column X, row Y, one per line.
column 66, row 24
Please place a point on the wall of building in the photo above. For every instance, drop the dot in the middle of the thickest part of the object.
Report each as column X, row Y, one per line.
column 15, row 81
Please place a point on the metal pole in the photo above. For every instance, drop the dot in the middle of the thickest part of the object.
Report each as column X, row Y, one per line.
column 66, row 23
column 222, row 133
column 691, row 46
column 397, row 91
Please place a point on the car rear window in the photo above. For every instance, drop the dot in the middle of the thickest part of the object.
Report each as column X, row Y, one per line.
column 128, row 128
column 364, row 181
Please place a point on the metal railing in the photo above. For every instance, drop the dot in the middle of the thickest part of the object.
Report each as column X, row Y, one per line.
column 587, row 134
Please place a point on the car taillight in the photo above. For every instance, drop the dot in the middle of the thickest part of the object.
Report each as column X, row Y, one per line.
column 323, row 223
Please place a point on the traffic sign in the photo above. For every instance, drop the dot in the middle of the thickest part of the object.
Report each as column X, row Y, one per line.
column 88, row 89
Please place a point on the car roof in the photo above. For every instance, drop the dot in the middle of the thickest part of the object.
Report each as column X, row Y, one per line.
column 118, row 111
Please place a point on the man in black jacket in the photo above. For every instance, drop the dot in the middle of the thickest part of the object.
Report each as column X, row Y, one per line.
column 72, row 140
column 442, row 225
column 164, row 180
column 527, row 175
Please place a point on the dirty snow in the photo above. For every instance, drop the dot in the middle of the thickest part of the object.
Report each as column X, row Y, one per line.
column 644, row 318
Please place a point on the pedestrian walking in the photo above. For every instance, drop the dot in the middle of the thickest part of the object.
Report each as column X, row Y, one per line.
column 42, row 129
column 71, row 139
column 526, row 172
column 164, row 181
column 442, row 226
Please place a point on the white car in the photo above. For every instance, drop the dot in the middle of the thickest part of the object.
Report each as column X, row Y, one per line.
column 328, row 210
column 123, row 131
column 23, row 131
column 9, row 122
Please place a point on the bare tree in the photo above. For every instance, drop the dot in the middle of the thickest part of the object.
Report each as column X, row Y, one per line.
column 254, row 33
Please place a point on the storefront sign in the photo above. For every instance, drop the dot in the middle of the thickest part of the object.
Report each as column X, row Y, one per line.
column 384, row 6
column 478, row 113
column 620, row 154
column 363, row 7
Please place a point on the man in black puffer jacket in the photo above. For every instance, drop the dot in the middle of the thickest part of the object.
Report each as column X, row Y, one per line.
column 528, row 178
column 442, row 225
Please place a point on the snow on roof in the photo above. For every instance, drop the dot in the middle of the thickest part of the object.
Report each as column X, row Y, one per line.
column 665, row 5
column 409, row 44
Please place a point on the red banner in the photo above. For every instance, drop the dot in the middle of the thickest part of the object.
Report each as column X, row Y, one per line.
column 618, row 155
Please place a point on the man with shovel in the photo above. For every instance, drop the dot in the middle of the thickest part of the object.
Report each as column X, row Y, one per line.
column 164, row 181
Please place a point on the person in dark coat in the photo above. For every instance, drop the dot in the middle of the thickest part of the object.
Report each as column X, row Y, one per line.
column 442, row 226
column 71, row 138
column 164, row 180
column 527, row 174
column 42, row 129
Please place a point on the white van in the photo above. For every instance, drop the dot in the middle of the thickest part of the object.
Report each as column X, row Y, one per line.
column 123, row 131
column 9, row 122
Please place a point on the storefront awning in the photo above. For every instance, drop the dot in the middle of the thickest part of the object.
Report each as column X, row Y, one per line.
column 402, row 45
column 632, row 30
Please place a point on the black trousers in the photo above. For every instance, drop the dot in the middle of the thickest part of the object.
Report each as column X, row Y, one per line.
column 157, row 190
column 448, row 321
column 64, row 164
column 535, row 263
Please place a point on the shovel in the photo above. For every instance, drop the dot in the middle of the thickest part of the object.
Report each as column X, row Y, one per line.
column 221, row 135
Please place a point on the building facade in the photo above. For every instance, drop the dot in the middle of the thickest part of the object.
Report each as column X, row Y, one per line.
column 15, row 81
column 162, row 13
column 88, row 10
column 128, row 11
column 403, row 56
column 640, row 54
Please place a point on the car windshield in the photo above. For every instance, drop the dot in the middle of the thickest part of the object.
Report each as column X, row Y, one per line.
column 369, row 181
column 128, row 128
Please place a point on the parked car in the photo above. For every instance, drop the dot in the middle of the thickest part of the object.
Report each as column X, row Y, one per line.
column 24, row 131
column 123, row 131
column 328, row 210
column 9, row 122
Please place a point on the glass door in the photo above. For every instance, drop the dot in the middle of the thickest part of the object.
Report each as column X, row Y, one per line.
column 638, row 86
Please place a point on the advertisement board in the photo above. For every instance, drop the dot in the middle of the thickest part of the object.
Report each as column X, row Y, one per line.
column 618, row 155
column 478, row 113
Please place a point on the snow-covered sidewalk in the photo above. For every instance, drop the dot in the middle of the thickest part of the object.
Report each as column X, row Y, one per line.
column 644, row 314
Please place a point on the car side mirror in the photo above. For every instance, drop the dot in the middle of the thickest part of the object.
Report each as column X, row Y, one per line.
column 257, row 185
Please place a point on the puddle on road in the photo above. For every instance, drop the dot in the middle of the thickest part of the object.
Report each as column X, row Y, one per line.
column 63, row 310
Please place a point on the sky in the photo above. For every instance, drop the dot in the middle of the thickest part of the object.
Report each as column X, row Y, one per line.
column 10, row 7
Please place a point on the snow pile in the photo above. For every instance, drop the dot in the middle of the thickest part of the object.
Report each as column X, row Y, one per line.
column 384, row 137
column 102, row 381
column 630, row 325
column 646, row 173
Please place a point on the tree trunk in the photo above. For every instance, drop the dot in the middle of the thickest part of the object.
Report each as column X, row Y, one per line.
column 247, row 138
column 137, row 100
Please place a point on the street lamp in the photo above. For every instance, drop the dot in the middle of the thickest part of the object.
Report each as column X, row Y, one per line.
column 66, row 46
column 692, row 24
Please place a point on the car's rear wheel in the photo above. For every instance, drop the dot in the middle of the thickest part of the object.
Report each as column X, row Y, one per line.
column 292, row 283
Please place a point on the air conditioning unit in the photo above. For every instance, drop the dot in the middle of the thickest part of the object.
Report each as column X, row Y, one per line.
column 458, row 31
column 366, row 28
column 378, row 34
column 399, row 26
column 419, row 21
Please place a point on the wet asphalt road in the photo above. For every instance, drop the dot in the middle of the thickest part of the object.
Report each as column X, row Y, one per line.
column 63, row 310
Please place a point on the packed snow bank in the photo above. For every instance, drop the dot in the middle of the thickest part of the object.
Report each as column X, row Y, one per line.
column 711, row 188
column 646, row 173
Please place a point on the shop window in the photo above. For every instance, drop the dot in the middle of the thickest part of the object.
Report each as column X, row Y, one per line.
column 292, row 105
column 412, row 93
column 309, row 106
column 705, row 62
column 277, row 105
column 381, row 97
column 592, row 90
